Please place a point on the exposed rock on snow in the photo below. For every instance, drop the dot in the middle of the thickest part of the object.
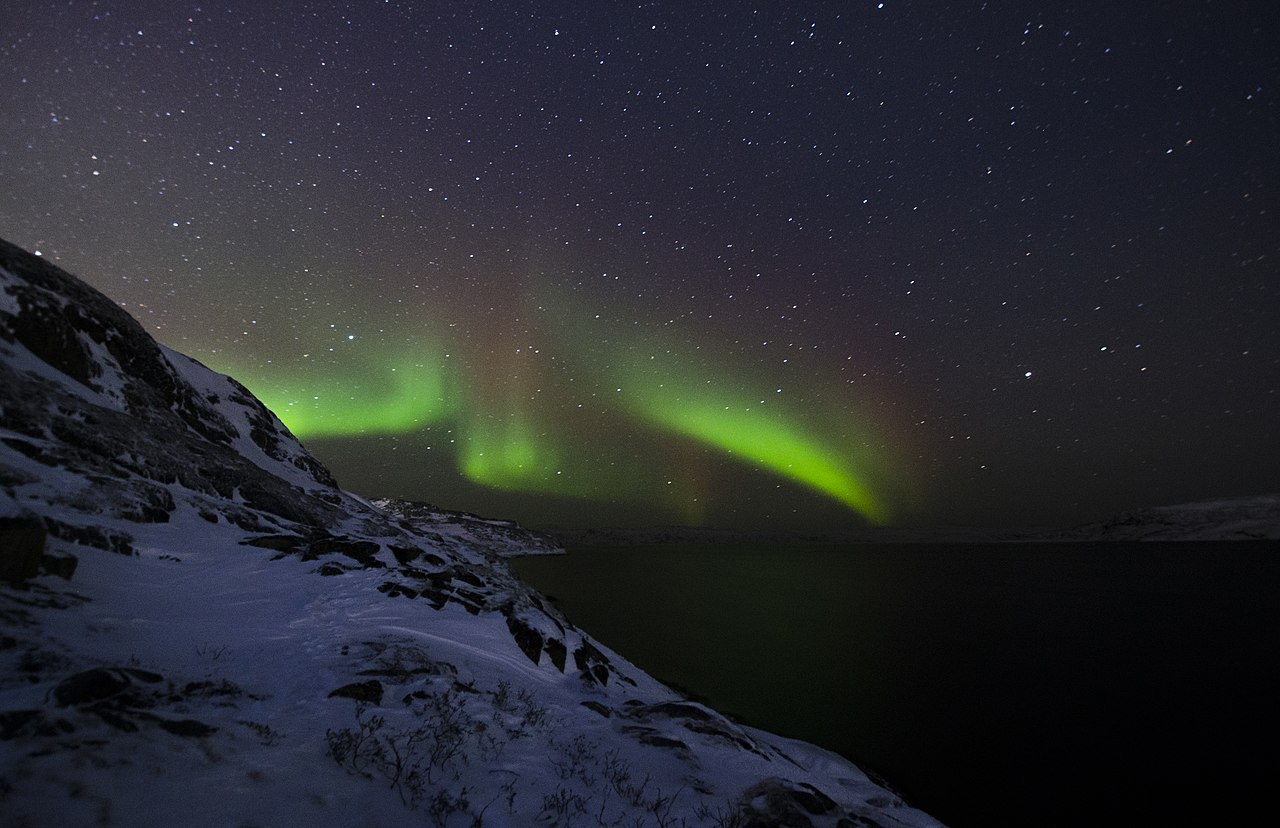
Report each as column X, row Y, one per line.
column 240, row 642
column 502, row 537
column 22, row 539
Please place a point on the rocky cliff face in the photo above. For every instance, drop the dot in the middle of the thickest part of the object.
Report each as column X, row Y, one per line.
column 201, row 628
column 88, row 393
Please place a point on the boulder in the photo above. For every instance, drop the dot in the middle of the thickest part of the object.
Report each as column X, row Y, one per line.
column 362, row 691
column 22, row 542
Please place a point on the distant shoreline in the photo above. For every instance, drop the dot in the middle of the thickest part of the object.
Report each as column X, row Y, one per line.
column 1228, row 519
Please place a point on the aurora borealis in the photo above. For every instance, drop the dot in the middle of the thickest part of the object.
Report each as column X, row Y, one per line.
column 529, row 436
column 804, row 265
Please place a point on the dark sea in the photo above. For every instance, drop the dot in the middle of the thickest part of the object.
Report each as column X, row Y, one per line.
column 1007, row 684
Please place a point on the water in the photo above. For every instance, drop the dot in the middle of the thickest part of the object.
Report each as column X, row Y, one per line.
column 1007, row 684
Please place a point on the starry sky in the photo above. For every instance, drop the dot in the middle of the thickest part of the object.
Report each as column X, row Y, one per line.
column 808, row 265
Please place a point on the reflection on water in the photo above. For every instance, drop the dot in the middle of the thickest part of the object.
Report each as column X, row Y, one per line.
column 1049, row 684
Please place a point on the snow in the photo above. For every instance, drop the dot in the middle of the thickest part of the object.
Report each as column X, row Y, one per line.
column 214, row 386
column 196, row 606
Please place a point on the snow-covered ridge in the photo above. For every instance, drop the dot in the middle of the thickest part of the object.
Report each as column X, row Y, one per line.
column 201, row 629
column 57, row 329
column 1221, row 519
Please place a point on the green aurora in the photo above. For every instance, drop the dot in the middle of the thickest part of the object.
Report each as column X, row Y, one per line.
column 547, row 441
column 758, row 434
column 397, row 397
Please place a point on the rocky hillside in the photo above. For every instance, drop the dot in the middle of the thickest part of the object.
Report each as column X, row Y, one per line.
column 200, row 628
column 501, row 537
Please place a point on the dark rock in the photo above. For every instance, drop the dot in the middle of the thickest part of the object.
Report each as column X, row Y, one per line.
column 557, row 652
column 597, row 707
column 360, row 551
column 15, row 723
column 63, row 566
column 364, row 691
column 186, row 727
column 467, row 577
column 392, row 590
column 280, row 543
column 699, row 720
column 90, row 686
column 650, row 736
column 472, row 602
column 22, row 542
column 673, row 710
column 779, row 802
column 47, row 335
column 401, row 663
column 121, row 698
column 330, row 568
column 592, row 663
column 152, row 504
column 101, row 684
column 437, row 598
column 248, row 521
column 725, row 733
column 537, row 602
column 858, row 821
column 267, row 493
column 658, row 740
column 527, row 638
column 145, row 676
column 812, row 800
column 94, row 536
column 30, row 450
column 405, row 555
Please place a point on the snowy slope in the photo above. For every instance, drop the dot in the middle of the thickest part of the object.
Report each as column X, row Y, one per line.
column 199, row 628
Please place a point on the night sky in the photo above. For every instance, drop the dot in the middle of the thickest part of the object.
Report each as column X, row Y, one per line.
column 789, row 264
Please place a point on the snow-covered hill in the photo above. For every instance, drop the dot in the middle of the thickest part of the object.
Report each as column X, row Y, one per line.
column 1222, row 519
column 200, row 628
